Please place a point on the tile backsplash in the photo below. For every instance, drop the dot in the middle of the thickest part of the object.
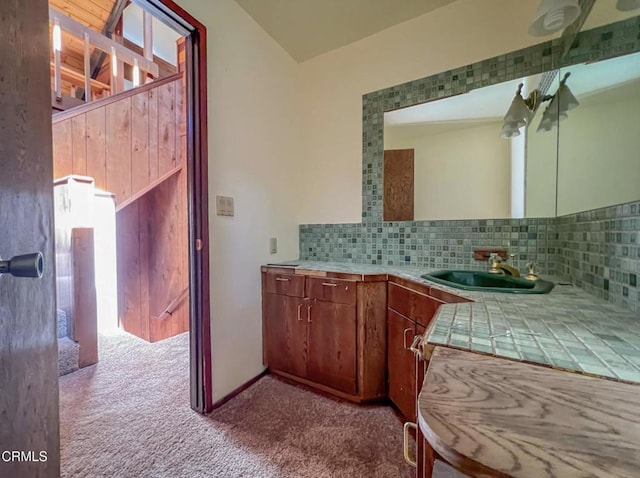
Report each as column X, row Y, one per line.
column 597, row 250
column 600, row 251
column 432, row 244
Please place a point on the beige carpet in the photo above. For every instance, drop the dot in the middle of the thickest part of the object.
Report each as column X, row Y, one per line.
column 129, row 416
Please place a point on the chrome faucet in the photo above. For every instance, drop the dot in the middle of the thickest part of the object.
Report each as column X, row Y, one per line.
column 496, row 266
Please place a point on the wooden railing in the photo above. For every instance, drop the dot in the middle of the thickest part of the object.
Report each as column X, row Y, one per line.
column 92, row 39
column 127, row 142
column 173, row 305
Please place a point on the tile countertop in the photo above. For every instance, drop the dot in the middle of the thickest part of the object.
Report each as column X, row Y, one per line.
column 566, row 328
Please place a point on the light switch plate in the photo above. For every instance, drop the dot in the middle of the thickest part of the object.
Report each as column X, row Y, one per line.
column 273, row 245
column 224, row 205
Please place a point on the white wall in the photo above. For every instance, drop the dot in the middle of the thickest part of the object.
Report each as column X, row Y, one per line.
column 253, row 156
column 461, row 172
column 540, row 177
column 458, row 34
column 599, row 151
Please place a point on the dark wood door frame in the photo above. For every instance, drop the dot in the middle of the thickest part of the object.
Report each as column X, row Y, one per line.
column 201, row 386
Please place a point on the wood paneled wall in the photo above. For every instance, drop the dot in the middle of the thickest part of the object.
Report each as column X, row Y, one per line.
column 152, row 262
column 134, row 146
column 124, row 143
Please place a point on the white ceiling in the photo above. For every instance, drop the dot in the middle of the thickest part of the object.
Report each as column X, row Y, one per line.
column 308, row 28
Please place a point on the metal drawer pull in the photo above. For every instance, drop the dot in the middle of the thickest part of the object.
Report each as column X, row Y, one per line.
column 329, row 284
column 309, row 314
column 414, row 346
column 407, row 457
column 282, row 279
column 299, row 307
column 404, row 337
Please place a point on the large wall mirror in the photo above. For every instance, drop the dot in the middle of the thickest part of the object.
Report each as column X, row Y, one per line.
column 463, row 169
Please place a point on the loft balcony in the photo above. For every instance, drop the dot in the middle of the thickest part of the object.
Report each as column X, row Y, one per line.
column 95, row 55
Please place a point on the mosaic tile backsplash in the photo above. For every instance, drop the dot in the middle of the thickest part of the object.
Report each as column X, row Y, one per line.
column 436, row 244
column 599, row 251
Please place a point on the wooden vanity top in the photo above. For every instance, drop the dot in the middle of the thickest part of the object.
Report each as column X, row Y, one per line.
column 499, row 418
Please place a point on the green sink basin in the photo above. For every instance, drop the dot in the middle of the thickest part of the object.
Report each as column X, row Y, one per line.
column 485, row 281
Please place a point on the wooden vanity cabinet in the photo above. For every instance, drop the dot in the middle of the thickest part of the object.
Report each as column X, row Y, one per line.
column 411, row 307
column 331, row 335
column 286, row 340
column 326, row 331
column 401, row 362
column 408, row 309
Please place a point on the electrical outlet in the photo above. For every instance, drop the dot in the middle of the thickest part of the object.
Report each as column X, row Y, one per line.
column 273, row 245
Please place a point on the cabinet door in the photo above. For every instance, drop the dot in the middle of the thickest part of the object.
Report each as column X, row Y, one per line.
column 332, row 345
column 286, row 333
column 415, row 305
column 425, row 455
column 401, row 364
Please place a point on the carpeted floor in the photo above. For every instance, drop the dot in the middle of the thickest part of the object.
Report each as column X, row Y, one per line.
column 129, row 416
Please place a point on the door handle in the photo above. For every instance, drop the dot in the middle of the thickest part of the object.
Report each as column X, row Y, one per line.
column 27, row 265
column 414, row 347
column 407, row 457
column 404, row 337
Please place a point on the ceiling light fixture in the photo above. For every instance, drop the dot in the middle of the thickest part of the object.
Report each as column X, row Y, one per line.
column 136, row 73
column 114, row 62
column 553, row 16
column 57, row 36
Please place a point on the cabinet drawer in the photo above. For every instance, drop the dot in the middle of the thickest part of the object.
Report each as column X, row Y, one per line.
column 414, row 305
column 285, row 284
column 340, row 291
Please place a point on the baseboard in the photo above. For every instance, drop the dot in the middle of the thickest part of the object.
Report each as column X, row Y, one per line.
column 239, row 390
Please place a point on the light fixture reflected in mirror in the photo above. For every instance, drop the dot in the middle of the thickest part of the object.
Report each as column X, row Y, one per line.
column 519, row 113
column 561, row 102
column 553, row 16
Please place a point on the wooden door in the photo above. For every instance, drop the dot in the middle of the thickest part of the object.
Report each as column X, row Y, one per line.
column 398, row 185
column 401, row 364
column 332, row 345
column 286, row 329
column 29, row 420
